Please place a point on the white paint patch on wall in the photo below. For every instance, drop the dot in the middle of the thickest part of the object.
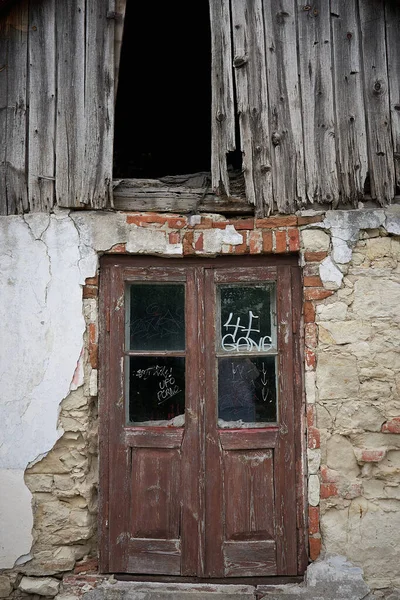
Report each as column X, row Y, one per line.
column 41, row 329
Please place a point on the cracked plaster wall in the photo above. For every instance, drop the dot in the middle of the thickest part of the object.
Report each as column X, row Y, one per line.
column 44, row 261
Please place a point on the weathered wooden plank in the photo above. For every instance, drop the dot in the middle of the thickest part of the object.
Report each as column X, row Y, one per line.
column 314, row 40
column 222, row 101
column 153, row 438
column 380, row 146
column 244, row 559
column 154, row 556
column 287, row 150
column 99, row 103
column 245, row 439
column 16, row 140
column 3, row 115
column 70, row 115
column 252, row 100
column 392, row 18
column 351, row 135
column 42, row 99
column 120, row 10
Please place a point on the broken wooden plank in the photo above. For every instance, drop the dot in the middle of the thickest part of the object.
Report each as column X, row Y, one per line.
column 252, row 100
column 3, row 116
column 16, row 139
column 376, row 94
column 351, row 138
column 287, row 150
column 99, row 104
column 314, row 42
column 42, row 99
column 392, row 18
column 223, row 116
column 70, row 119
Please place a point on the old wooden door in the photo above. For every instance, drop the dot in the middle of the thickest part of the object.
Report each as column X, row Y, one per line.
column 200, row 385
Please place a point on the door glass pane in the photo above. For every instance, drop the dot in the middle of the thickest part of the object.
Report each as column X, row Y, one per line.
column 246, row 321
column 156, row 389
column 157, row 317
column 246, row 390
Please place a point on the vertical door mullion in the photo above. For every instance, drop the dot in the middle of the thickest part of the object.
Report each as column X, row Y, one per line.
column 285, row 483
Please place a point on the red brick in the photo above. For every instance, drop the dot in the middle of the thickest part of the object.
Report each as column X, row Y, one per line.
column 310, row 269
column 90, row 291
column 349, row 491
column 241, row 248
column 92, row 333
column 313, row 519
column 255, row 242
column 88, row 566
column 315, row 256
column 294, row 240
column 373, row 455
column 308, row 220
column 199, row 243
column 94, row 355
column 329, row 475
column 174, row 237
column 314, row 438
column 313, row 281
column 272, row 222
column 142, row 220
column 118, row 249
column 267, row 241
column 188, row 243
column 310, row 415
column 309, row 312
column 392, row 426
column 311, row 359
column 176, row 222
column 243, row 224
column 327, row 490
column 310, row 335
column 280, row 241
column 315, row 547
column 92, row 280
column 206, row 223
column 314, row 293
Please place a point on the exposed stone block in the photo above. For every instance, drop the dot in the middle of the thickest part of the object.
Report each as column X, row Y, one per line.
column 45, row 586
column 337, row 376
column 315, row 240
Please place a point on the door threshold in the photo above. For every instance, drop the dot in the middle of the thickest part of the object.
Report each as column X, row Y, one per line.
column 221, row 581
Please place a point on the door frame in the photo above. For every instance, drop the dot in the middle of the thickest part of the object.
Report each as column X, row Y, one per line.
column 107, row 262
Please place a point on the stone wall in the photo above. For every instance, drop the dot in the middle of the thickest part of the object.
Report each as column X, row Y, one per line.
column 351, row 275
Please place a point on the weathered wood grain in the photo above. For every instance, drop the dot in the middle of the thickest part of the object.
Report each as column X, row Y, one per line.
column 252, row 102
column 351, row 135
column 248, row 439
column 154, row 556
column 16, row 134
column 314, row 39
column 99, row 103
column 153, row 438
column 250, row 558
column 392, row 19
column 222, row 102
column 42, row 101
column 120, row 10
column 70, row 116
column 3, row 115
column 287, row 150
column 376, row 94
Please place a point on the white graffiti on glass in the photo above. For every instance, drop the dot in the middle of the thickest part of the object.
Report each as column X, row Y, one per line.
column 167, row 387
column 239, row 338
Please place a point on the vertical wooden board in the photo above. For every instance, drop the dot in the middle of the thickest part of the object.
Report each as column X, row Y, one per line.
column 392, row 14
column 155, row 507
column 222, row 101
column 284, row 455
column 17, row 110
column 193, row 459
column 352, row 153
column 252, row 100
column 314, row 41
column 249, row 495
column 42, row 98
column 3, row 115
column 287, row 150
column 380, row 146
column 99, row 103
column 120, row 9
column 70, row 110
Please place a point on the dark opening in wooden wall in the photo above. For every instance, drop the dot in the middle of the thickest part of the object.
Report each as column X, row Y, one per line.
column 163, row 110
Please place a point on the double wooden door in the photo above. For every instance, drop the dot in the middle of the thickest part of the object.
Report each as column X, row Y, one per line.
column 199, row 442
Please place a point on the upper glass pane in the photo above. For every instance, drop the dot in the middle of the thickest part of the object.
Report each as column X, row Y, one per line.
column 246, row 318
column 157, row 317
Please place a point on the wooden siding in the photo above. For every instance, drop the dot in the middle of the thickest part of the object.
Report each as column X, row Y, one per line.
column 56, row 105
column 317, row 92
